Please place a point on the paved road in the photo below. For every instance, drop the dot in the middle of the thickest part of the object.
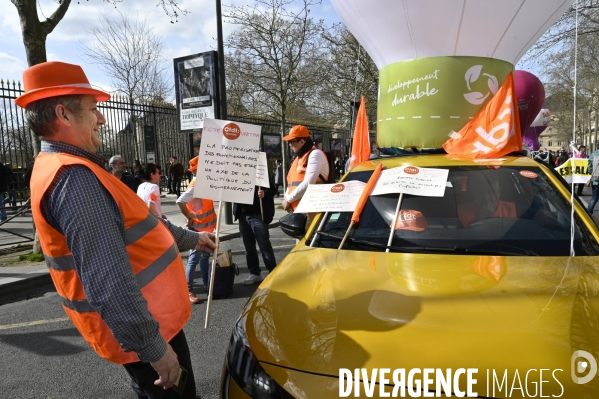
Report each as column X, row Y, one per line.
column 43, row 356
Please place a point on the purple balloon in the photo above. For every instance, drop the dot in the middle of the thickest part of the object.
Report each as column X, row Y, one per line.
column 531, row 137
column 531, row 94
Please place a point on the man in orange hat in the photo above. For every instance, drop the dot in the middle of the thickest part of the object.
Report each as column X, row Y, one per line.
column 200, row 217
column 309, row 166
column 118, row 272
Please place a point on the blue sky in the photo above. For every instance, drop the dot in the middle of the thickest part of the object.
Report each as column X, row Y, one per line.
column 194, row 33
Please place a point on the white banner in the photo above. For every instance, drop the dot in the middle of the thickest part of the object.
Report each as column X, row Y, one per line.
column 426, row 182
column 262, row 171
column 340, row 197
column 228, row 159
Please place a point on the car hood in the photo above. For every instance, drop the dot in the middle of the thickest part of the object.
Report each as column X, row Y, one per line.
column 322, row 310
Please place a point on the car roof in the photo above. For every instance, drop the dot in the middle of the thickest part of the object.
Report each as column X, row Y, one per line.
column 437, row 160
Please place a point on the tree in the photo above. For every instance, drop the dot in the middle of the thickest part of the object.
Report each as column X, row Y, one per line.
column 35, row 32
column 350, row 74
column 129, row 52
column 279, row 51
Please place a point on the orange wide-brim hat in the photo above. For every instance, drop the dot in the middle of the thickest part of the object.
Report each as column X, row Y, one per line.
column 193, row 164
column 53, row 79
column 297, row 132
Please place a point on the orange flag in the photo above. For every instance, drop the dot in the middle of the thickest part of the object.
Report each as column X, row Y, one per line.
column 494, row 131
column 366, row 193
column 360, row 148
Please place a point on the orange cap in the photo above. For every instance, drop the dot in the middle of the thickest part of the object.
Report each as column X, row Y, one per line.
column 193, row 164
column 410, row 220
column 53, row 79
column 297, row 132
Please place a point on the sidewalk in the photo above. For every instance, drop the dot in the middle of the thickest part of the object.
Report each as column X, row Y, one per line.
column 34, row 274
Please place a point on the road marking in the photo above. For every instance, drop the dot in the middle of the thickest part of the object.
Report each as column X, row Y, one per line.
column 33, row 323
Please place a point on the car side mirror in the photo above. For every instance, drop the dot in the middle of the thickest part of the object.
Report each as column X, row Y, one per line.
column 293, row 224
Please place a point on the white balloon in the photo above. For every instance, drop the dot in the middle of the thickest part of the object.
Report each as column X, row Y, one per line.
column 393, row 30
column 542, row 119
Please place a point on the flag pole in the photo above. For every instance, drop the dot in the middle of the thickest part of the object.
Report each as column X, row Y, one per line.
column 394, row 222
column 213, row 269
column 363, row 199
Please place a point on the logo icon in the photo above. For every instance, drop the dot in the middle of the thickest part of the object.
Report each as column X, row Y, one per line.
column 337, row 188
column 472, row 75
column 231, row 131
column 411, row 170
column 588, row 364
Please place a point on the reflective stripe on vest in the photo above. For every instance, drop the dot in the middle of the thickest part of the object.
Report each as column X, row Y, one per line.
column 205, row 219
column 297, row 172
column 152, row 251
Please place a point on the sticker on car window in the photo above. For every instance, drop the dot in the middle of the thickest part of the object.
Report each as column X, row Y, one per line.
column 528, row 174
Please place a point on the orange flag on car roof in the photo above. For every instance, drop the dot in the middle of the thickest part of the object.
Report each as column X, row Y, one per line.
column 494, row 131
column 360, row 147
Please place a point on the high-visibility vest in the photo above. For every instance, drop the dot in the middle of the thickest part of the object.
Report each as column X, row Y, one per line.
column 153, row 254
column 205, row 219
column 297, row 172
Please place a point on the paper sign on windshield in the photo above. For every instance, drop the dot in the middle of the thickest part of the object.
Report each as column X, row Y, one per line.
column 228, row 159
column 340, row 197
column 262, row 171
column 426, row 182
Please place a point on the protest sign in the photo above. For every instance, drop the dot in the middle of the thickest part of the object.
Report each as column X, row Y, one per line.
column 228, row 159
column 262, row 171
column 575, row 170
column 427, row 182
column 340, row 197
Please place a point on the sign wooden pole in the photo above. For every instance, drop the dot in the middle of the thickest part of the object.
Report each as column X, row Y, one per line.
column 213, row 270
column 394, row 222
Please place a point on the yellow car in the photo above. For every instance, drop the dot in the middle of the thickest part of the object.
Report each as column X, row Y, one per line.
column 489, row 291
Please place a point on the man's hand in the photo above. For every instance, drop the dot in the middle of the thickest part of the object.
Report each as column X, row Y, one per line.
column 189, row 222
column 287, row 206
column 167, row 368
column 206, row 242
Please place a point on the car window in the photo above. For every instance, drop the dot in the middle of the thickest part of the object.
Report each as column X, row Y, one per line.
column 485, row 210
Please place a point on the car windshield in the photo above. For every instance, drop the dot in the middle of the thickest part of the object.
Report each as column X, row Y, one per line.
column 484, row 211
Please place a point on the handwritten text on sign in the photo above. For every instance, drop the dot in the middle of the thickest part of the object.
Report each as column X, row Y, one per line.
column 262, row 171
column 340, row 197
column 427, row 182
column 228, row 158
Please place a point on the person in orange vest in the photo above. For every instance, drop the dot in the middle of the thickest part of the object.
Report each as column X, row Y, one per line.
column 309, row 166
column 119, row 276
column 200, row 217
column 484, row 203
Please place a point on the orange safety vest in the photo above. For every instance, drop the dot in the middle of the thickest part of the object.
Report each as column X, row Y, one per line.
column 153, row 253
column 204, row 210
column 297, row 172
column 467, row 212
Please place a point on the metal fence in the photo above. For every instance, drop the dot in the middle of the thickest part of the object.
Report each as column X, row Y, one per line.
column 147, row 132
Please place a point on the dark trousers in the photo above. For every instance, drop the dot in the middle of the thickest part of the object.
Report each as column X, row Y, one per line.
column 253, row 230
column 176, row 184
column 143, row 375
column 169, row 183
column 579, row 187
column 594, row 198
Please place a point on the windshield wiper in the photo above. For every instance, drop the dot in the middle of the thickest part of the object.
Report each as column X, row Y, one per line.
column 354, row 240
column 426, row 249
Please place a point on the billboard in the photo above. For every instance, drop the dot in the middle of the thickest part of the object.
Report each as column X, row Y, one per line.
column 195, row 87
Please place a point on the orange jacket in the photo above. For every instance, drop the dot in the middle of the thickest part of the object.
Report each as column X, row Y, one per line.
column 153, row 254
column 204, row 210
column 297, row 172
column 467, row 212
